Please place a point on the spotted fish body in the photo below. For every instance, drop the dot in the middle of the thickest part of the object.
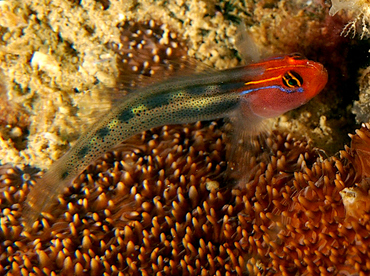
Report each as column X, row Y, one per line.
column 261, row 90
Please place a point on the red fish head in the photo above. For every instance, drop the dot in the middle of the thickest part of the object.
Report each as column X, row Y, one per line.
column 285, row 83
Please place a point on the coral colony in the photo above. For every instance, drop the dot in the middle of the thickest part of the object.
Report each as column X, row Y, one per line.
column 159, row 205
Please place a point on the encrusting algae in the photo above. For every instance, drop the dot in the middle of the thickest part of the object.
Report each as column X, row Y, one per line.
column 159, row 205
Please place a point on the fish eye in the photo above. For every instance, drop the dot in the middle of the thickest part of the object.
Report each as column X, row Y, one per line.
column 297, row 56
column 292, row 79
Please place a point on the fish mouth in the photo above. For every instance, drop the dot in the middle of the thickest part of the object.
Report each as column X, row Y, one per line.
column 321, row 77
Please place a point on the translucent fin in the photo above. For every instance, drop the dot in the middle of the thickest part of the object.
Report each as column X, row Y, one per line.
column 36, row 203
column 245, row 135
column 246, row 45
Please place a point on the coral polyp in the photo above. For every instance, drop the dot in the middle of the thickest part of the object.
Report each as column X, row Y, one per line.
column 147, row 49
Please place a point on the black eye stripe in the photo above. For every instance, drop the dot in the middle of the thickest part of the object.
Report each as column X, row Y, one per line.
column 292, row 79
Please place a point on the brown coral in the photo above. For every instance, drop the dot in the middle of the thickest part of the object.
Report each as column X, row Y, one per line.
column 161, row 205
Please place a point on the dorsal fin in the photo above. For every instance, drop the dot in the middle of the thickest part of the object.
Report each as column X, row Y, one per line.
column 146, row 53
